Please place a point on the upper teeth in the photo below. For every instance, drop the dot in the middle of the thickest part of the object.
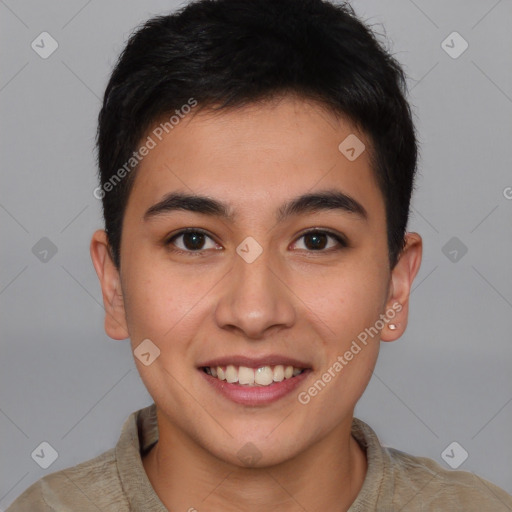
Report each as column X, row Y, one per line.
column 264, row 375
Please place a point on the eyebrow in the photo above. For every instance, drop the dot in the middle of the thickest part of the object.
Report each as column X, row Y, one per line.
column 307, row 203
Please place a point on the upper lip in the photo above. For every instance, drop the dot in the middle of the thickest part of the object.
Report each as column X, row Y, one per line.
column 255, row 362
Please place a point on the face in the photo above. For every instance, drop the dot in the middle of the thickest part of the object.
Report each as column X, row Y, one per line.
column 260, row 279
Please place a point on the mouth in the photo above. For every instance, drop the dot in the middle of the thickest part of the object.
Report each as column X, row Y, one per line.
column 254, row 382
column 246, row 376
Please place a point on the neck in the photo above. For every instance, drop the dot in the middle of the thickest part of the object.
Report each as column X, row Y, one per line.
column 327, row 476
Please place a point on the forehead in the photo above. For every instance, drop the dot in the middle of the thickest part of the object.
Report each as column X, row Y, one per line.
column 255, row 157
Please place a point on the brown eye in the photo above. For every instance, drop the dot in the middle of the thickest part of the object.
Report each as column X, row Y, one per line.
column 191, row 240
column 319, row 241
column 315, row 241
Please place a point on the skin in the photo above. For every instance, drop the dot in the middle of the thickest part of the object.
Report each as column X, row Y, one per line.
column 292, row 300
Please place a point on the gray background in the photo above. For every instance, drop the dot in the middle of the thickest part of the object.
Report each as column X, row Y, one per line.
column 447, row 379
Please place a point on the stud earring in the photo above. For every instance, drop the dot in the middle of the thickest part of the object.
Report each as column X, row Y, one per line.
column 393, row 327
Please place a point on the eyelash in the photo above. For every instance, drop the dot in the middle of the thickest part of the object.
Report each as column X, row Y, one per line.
column 339, row 239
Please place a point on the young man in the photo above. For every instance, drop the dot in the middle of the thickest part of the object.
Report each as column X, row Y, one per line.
column 257, row 159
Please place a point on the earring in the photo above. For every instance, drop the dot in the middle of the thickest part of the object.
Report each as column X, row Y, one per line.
column 393, row 327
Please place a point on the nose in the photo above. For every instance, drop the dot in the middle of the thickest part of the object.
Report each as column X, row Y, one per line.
column 255, row 298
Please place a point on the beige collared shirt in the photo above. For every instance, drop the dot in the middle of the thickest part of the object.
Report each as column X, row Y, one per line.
column 115, row 481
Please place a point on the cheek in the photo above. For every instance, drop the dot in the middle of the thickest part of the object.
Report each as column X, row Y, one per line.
column 345, row 299
column 151, row 303
column 165, row 303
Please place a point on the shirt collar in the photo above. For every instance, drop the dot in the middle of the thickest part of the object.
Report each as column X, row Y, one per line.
column 139, row 433
column 376, row 490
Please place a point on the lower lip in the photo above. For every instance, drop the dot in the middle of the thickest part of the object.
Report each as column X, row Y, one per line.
column 255, row 395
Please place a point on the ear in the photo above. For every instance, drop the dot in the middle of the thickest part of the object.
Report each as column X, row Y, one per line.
column 402, row 277
column 108, row 274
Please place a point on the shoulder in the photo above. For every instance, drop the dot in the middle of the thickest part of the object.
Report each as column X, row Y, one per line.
column 423, row 482
column 90, row 485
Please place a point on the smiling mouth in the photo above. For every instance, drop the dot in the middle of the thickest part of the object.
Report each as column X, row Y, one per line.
column 245, row 376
